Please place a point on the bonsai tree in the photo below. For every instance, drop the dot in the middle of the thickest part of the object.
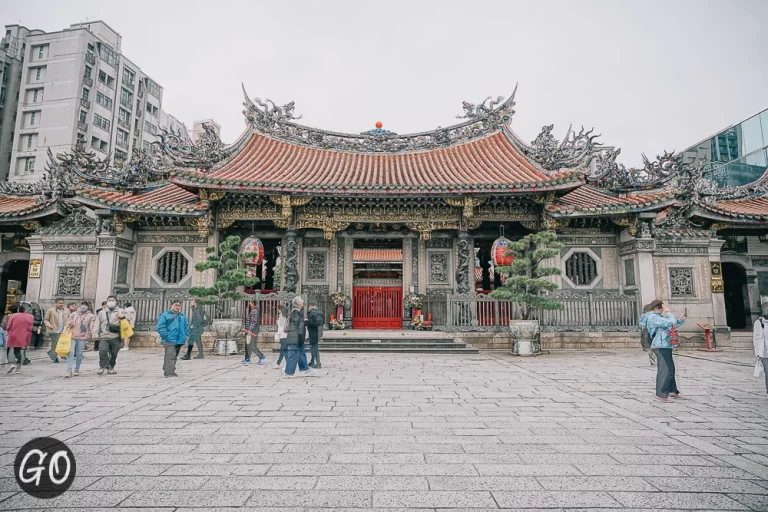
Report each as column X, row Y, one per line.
column 527, row 280
column 225, row 260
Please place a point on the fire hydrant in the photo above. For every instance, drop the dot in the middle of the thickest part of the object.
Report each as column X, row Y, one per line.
column 708, row 328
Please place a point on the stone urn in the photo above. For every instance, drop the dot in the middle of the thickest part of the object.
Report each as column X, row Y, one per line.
column 227, row 329
column 524, row 337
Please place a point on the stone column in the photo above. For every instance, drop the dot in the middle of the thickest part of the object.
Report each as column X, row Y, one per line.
column 291, row 261
column 107, row 267
column 642, row 250
column 33, row 284
column 464, row 280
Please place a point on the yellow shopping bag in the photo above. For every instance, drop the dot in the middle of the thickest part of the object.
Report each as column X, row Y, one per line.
column 126, row 331
column 64, row 345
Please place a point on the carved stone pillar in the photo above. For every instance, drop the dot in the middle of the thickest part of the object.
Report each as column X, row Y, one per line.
column 291, row 261
column 485, row 264
column 463, row 281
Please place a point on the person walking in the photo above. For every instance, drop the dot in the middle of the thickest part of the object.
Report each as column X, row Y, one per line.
column 55, row 320
column 19, row 335
column 295, row 341
column 281, row 335
column 38, row 327
column 760, row 341
column 197, row 325
column 96, row 340
column 173, row 328
column 252, row 325
column 106, row 328
column 130, row 314
column 315, row 322
column 3, row 347
column 81, row 324
column 645, row 337
column 658, row 326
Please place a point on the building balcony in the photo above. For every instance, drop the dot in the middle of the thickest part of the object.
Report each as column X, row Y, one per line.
column 122, row 144
column 85, row 103
column 127, row 83
column 126, row 104
column 88, row 81
column 124, row 123
column 83, row 127
column 90, row 59
column 136, row 132
column 140, row 93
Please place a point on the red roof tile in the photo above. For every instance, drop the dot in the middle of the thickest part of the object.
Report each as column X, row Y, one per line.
column 11, row 207
column 168, row 198
column 754, row 208
column 486, row 164
column 377, row 255
column 591, row 200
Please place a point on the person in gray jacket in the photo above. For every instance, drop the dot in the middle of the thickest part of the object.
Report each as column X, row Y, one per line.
column 106, row 329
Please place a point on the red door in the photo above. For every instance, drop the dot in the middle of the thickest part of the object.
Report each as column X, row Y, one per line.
column 377, row 308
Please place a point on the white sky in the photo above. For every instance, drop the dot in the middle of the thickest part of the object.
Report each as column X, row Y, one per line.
column 648, row 75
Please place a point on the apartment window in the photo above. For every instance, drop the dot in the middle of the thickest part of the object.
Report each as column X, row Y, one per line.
column 86, row 94
column 2, row 95
column 145, row 146
column 29, row 164
column 128, row 78
column 149, row 107
column 88, row 71
column 103, row 100
column 101, row 122
column 90, row 48
column 35, row 96
column 120, row 156
column 125, row 118
column 122, row 138
column 82, row 116
column 38, row 73
column 150, row 128
column 153, row 88
column 108, row 55
column 32, row 118
column 29, row 141
column 40, row 50
column 126, row 98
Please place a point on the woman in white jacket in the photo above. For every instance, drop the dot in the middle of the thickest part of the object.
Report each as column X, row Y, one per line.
column 280, row 335
column 760, row 341
column 130, row 314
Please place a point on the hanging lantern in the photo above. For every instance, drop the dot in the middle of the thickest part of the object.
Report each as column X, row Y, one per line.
column 252, row 245
column 500, row 256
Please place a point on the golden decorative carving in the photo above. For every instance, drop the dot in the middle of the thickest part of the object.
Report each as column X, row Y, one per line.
column 287, row 203
column 717, row 226
column 474, row 224
column 329, row 226
column 281, row 223
column 256, row 213
column 552, row 224
column 545, row 199
column 203, row 224
column 216, row 196
column 628, row 222
column 468, row 204
column 425, row 228
column 224, row 223
column 31, row 225
column 202, row 195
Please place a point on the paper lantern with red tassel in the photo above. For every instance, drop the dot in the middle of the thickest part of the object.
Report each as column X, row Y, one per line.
column 252, row 245
column 500, row 255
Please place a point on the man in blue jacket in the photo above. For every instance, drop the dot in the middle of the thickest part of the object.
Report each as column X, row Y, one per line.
column 658, row 327
column 173, row 328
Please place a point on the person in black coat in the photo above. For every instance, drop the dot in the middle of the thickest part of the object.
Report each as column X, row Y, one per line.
column 198, row 321
column 315, row 323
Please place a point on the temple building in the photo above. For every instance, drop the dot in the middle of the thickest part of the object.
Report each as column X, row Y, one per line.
column 378, row 215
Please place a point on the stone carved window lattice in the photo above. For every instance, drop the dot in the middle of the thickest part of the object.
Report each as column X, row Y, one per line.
column 70, row 279
column 681, row 282
column 581, row 269
column 316, row 266
column 438, row 268
column 629, row 272
column 172, row 267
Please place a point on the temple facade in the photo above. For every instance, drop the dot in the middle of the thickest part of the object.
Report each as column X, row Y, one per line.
column 378, row 216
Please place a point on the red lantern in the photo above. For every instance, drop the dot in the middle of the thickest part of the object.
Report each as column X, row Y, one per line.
column 500, row 255
column 254, row 245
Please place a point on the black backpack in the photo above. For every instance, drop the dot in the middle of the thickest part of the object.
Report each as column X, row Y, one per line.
column 645, row 338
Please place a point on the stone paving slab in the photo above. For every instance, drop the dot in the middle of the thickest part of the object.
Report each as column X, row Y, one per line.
column 564, row 432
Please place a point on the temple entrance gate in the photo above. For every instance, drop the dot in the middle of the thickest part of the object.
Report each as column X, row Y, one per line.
column 377, row 292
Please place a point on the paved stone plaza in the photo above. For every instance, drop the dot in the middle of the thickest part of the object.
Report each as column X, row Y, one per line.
column 568, row 431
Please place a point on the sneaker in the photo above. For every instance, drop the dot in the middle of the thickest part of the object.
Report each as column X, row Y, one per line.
column 262, row 360
column 276, row 366
column 199, row 356
column 309, row 373
column 660, row 399
column 126, row 349
column 68, row 375
column 676, row 395
column 289, row 376
column 18, row 369
column 245, row 361
column 76, row 372
column 173, row 375
column 111, row 371
column 100, row 371
column 26, row 362
column 185, row 358
column 318, row 366
column 311, row 364
column 11, row 369
column 56, row 360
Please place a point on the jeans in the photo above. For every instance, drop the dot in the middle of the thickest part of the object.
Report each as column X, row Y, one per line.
column 37, row 338
column 169, row 361
column 251, row 347
column 54, row 341
column 765, row 373
column 108, row 350
column 16, row 356
column 75, row 352
column 195, row 339
column 665, row 373
column 296, row 354
column 283, row 351
column 313, row 349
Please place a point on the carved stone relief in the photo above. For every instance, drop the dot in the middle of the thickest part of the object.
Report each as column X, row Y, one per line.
column 70, row 281
column 143, row 267
column 610, row 268
column 340, row 243
column 438, row 268
column 681, row 282
column 316, row 263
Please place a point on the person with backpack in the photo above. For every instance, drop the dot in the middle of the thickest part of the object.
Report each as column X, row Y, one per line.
column 645, row 337
column 38, row 327
column 197, row 324
column 106, row 328
column 173, row 329
column 295, row 341
column 253, row 326
column 81, row 324
column 315, row 322
column 760, row 341
column 658, row 327
column 96, row 340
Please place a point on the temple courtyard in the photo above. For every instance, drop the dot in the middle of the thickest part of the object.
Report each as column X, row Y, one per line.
column 564, row 431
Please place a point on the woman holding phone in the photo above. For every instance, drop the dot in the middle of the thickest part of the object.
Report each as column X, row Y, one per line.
column 658, row 327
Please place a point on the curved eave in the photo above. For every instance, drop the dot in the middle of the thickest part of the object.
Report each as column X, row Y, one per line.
column 31, row 212
column 721, row 214
column 141, row 203
column 588, row 201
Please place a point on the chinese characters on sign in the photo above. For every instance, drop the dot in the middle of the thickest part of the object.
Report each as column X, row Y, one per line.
column 716, row 270
column 34, row 268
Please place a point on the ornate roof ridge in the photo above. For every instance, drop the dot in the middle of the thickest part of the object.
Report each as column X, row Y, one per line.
column 279, row 122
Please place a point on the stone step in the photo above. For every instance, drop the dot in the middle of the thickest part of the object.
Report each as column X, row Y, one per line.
column 414, row 346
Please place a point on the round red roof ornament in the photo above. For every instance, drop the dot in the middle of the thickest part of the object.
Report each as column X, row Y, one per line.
column 379, row 124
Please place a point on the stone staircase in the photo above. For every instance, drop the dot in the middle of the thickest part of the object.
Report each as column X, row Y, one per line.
column 410, row 342
column 741, row 340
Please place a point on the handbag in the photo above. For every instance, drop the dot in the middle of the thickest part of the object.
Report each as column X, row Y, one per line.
column 64, row 345
column 759, row 369
column 126, row 331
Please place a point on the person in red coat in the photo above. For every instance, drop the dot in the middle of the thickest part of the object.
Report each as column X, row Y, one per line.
column 19, row 334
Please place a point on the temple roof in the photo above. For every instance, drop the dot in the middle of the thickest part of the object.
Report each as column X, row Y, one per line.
column 18, row 208
column 377, row 255
column 753, row 209
column 168, row 199
column 488, row 164
column 589, row 200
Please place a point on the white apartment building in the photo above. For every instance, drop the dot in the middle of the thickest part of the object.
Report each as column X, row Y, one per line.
column 78, row 88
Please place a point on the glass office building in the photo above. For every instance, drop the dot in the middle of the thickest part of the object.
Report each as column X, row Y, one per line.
column 737, row 155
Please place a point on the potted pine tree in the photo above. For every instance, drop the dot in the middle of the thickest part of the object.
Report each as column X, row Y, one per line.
column 231, row 278
column 527, row 283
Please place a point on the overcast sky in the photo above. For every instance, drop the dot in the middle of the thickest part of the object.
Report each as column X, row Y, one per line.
column 648, row 75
